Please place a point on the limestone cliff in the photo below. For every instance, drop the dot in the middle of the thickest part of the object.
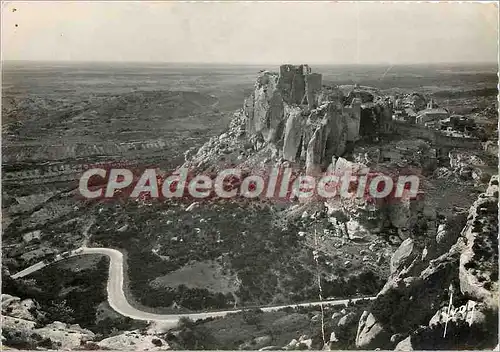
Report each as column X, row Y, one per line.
column 306, row 121
column 297, row 119
column 414, row 301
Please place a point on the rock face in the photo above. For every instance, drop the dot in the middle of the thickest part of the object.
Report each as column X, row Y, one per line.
column 291, row 117
column 370, row 332
column 293, row 134
column 308, row 122
column 418, row 287
column 22, row 333
column 23, row 309
column 264, row 108
column 313, row 87
column 134, row 341
column 404, row 345
column 478, row 271
column 292, row 82
column 19, row 327
column 403, row 255
column 22, row 327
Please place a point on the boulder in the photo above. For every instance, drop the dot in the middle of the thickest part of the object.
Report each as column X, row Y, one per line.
column 404, row 345
column 347, row 319
column 405, row 253
column 333, row 337
column 371, row 333
column 336, row 316
column 256, row 343
column 306, row 341
column 17, row 308
column 355, row 230
column 64, row 335
column 134, row 341
column 471, row 312
column 292, row 345
column 441, row 234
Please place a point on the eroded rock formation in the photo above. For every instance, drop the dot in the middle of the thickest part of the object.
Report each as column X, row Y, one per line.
column 292, row 117
column 420, row 286
column 309, row 122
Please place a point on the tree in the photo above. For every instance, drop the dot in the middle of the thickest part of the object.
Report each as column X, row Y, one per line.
column 60, row 311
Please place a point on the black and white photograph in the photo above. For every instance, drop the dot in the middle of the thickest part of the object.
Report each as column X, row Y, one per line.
column 249, row 175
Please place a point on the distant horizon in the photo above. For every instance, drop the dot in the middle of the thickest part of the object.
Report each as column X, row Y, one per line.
column 444, row 63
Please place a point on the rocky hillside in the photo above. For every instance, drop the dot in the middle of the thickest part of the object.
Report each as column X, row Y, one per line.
column 290, row 117
column 24, row 327
column 461, row 267
column 445, row 254
column 428, row 257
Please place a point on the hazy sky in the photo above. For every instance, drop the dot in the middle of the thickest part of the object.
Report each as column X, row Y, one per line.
column 244, row 32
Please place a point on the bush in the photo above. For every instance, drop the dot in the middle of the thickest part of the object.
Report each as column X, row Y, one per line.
column 185, row 322
column 252, row 316
column 91, row 346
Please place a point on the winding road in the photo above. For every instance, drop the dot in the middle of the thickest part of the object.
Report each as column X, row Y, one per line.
column 118, row 301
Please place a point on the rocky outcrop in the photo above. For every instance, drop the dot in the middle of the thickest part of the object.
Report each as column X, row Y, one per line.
column 371, row 333
column 134, row 341
column 403, row 255
column 307, row 122
column 303, row 343
column 295, row 124
column 418, row 286
column 21, row 328
column 21, row 333
column 469, row 165
column 26, row 309
column 256, row 343
column 478, row 271
column 316, row 138
column 290, row 117
column 404, row 345
column 264, row 109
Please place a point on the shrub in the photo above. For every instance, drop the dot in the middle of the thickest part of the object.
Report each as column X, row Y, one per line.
column 252, row 316
column 185, row 322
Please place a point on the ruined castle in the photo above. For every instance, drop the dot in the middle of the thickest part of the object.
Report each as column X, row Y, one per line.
column 307, row 121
